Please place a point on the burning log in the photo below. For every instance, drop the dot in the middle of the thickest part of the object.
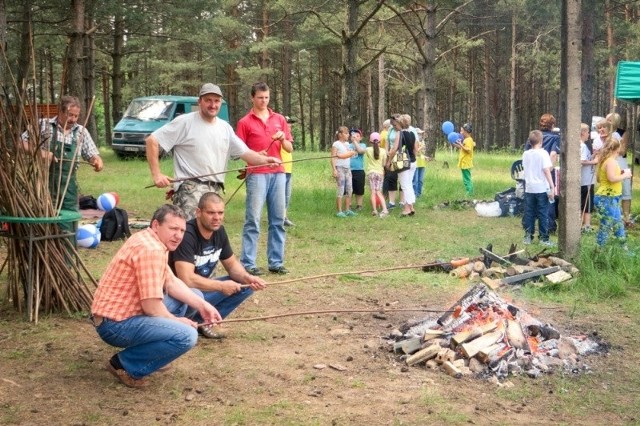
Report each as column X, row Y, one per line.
column 516, row 337
column 471, row 348
column 423, row 355
column 470, row 297
column 490, row 352
column 474, row 333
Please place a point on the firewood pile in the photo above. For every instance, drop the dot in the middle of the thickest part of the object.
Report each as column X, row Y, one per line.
column 485, row 336
column 495, row 270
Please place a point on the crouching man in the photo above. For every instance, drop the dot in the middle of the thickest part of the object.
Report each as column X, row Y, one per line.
column 141, row 306
column 194, row 262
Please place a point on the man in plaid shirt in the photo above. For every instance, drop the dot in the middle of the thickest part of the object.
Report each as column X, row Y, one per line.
column 63, row 141
column 141, row 306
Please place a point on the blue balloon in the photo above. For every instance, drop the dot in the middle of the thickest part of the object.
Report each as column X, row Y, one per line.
column 454, row 137
column 447, row 127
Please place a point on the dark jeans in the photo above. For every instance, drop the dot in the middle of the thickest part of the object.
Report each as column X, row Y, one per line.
column 537, row 206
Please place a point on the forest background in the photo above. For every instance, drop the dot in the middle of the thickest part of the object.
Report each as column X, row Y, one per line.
column 328, row 63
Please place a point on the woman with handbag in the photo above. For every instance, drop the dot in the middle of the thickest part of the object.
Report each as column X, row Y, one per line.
column 403, row 160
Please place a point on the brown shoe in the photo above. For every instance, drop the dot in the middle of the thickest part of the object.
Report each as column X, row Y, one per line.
column 125, row 378
column 212, row 331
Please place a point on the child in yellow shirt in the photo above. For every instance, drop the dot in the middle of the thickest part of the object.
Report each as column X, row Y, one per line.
column 465, row 158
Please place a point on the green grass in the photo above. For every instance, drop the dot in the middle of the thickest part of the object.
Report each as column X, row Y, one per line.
column 603, row 298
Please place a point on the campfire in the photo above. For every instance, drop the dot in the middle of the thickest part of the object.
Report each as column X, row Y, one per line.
column 484, row 335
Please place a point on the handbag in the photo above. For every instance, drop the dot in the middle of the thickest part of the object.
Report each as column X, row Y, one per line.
column 400, row 161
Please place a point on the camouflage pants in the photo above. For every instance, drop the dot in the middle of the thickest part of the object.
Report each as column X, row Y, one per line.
column 189, row 192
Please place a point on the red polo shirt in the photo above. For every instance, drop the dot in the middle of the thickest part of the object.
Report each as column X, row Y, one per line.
column 257, row 135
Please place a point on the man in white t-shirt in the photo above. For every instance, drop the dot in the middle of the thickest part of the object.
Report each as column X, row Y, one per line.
column 202, row 144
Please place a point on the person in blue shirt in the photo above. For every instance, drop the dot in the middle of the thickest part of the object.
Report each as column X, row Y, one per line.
column 357, row 165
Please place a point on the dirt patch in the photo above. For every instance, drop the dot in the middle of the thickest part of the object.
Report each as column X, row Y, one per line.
column 266, row 371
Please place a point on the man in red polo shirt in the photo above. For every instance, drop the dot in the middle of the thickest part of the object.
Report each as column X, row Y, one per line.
column 264, row 131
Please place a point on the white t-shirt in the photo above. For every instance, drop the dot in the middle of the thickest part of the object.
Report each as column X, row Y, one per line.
column 534, row 161
column 199, row 147
column 342, row 148
column 588, row 171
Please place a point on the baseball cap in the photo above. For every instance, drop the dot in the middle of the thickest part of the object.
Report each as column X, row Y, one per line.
column 208, row 88
column 374, row 137
column 468, row 127
column 354, row 130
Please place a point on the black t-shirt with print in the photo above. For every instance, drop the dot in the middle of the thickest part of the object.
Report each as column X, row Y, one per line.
column 203, row 253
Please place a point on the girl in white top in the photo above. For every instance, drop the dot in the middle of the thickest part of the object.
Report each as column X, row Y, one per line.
column 340, row 155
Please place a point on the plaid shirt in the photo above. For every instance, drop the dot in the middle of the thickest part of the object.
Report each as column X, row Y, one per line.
column 88, row 148
column 137, row 272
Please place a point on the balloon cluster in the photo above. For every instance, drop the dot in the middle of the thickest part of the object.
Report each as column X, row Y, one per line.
column 448, row 129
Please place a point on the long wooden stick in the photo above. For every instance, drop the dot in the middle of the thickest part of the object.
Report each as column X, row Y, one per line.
column 335, row 274
column 329, row 311
column 240, row 169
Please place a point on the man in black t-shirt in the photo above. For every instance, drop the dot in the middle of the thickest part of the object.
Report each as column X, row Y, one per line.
column 205, row 243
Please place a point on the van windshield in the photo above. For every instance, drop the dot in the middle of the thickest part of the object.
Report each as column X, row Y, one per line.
column 149, row 109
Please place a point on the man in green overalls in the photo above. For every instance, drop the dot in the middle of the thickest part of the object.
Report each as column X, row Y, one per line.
column 64, row 140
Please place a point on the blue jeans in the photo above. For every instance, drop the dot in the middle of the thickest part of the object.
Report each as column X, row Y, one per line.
column 269, row 187
column 224, row 304
column 418, row 177
column 536, row 206
column 149, row 342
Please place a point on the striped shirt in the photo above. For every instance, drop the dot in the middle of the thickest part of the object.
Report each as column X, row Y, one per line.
column 88, row 148
column 137, row 272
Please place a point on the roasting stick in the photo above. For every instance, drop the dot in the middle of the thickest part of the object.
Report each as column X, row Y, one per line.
column 367, row 271
column 330, row 311
column 336, row 274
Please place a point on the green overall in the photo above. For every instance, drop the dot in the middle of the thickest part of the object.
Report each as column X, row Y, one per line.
column 59, row 173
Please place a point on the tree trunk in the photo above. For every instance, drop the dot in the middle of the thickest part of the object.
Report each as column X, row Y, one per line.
column 89, row 71
column 3, row 48
column 107, row 104
column 117, row 74
column 382, row 92
column 512, row 86
column 350, row 112
column 428, row 70
column 570, row 101
column 610, row 50
column 588, row 61
column 301, row 97
column 74, row 63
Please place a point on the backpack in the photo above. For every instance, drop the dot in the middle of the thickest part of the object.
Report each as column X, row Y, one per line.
column 87, row 202
column 115, row 225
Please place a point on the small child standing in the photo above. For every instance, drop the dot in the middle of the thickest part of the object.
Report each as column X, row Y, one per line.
column 538, row 192
column 340, row 163
column 465, row 158
column 609, row 192
column 374, row 161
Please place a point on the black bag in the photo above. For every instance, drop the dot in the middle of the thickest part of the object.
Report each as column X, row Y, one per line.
column 509, row 203
column 87, row 202
column 115, row 225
